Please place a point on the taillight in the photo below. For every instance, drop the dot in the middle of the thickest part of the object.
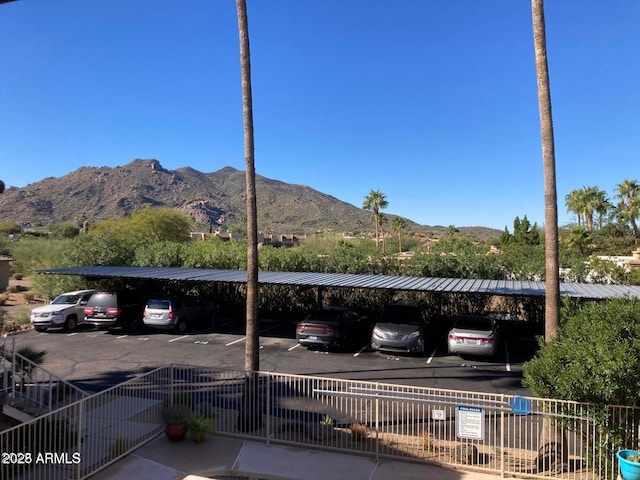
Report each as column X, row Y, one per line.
column 88, row 310
column 299, row 328
column 113, row 311
column 329, row 331
column 171, row 315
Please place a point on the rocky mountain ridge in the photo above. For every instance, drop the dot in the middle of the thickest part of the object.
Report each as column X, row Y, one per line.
column 212, row 199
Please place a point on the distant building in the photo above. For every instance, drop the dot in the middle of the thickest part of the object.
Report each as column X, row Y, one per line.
column 5, row 272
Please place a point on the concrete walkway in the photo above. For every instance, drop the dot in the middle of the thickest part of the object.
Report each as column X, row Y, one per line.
column 220, row 456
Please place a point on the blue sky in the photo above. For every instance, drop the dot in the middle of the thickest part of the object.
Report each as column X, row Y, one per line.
column 433, row 102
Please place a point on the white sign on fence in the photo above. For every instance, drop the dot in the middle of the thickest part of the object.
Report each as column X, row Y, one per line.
column 438, row 414
column 470, row 423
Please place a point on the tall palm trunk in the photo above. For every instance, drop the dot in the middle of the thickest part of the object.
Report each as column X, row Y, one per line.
column 552, row 450
column 552, row 279
column 250, row 416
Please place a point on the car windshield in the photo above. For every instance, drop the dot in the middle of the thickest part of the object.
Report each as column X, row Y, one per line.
column 471, row 323
column 402, row 315
column 66, row 300
column 324, row 316
column 159, row 304
column 103, row 300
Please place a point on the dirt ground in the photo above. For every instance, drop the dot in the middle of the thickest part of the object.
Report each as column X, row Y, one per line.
column 16, row 300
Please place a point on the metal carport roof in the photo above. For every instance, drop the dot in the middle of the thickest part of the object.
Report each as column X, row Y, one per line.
column 350, row 280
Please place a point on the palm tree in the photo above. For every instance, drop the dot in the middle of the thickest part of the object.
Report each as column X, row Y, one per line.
column 375, row 201
column 381, row 221
column 552, row 274
column 628, row 192
column 580, row 239
column 574, row 203
column 595, row 201
column 250, row 416
column 586, row 202
column 556, row 448
column 398, row 224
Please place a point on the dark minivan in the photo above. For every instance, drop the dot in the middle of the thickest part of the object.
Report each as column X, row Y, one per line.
column 114, row 309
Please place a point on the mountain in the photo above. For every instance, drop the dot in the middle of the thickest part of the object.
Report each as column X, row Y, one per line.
column 212, row 199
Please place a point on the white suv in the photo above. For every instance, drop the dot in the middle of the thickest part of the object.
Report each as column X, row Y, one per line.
column 65, row 311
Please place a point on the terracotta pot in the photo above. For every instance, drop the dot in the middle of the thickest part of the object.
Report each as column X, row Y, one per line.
column 175, row 433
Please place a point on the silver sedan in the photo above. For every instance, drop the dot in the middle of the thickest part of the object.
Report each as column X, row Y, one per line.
column 473, row 335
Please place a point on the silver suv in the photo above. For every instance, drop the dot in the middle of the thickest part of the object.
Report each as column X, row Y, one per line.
column 178, row 313
column 65, row 311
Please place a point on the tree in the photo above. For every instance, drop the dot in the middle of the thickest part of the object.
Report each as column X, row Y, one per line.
column 574, row 203
column 552, row 274
column 398, row 225
column 603, row 371
column 628, row 192
column 250, row 417
column 375, row 201
column 149, row 224
column 586, row 202
column 579, row 238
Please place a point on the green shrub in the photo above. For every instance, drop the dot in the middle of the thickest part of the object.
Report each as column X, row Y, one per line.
column 18, row 276
column 176, row 414
column 594, row 358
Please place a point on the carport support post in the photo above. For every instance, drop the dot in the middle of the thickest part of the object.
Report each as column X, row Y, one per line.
column 319, row 294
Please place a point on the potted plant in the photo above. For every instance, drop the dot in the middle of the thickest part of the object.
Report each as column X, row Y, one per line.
column 629, row 461
column 175, row 418
column 199, row 426
column 359, row 431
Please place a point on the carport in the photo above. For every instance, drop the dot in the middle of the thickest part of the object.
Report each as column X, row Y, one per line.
column 455, row 286
column 354, row 280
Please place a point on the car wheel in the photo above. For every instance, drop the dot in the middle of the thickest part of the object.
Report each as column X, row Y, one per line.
column 70, row 324
column 135, row 325
column 181, row 327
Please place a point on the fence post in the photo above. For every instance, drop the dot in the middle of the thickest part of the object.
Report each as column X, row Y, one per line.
column 13, row 367
column 268, row 412
column 377, row 421
column 80, row 426
column 171, row 384
column 502, row 436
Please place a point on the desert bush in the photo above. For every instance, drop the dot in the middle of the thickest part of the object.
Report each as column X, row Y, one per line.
column 29, row 296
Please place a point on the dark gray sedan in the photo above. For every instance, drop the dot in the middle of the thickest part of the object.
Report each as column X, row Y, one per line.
column 333, row 328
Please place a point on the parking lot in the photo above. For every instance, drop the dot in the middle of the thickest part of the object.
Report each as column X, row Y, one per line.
column 97, row 359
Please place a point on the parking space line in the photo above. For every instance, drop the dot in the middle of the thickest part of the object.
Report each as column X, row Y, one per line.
column 178, row 338
column 291, row 348
column 506, row 354
column 236, row 341
column 123, row 336
column 433, row 354
column 72, row 334
column 363, row 349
